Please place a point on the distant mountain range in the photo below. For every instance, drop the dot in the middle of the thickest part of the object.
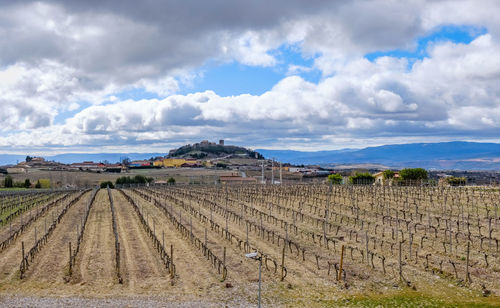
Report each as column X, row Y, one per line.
column 442, row 156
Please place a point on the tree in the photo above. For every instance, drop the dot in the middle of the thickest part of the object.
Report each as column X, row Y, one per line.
column 221, row 165
column 140, row 179
column 388, row 174
column 38, row 184
column 29, row 158
column 335, row 179
column 362, row 178
column 106, row 184
column 8, row 182
column 45, row 183
column 27, row 183
column 413, row 174
column 171, row 181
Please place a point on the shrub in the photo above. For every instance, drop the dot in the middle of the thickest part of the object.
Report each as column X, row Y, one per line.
column 139, row 179
column 413, row 174
column 362, row 178
column 19, row 184
column 456, row 181
column 27, row 183
column 106, row 184
column 335, row 179
column 388, row 174
column 171, row 181
column 8, row 182
column 38, row 184
column 123, row 180
column 44, row 183
column 221, row 165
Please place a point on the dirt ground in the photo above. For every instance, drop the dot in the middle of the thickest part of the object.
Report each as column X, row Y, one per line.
column 94, row 266
column 147, row 283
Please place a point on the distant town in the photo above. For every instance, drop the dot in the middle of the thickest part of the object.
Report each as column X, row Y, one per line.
column 210, row 162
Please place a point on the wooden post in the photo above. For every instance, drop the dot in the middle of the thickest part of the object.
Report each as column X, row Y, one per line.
column 163, row 238
column 467, row 278
column 247, row 232
column 70, row 265
column 172, row 261
column 22, row 260
column 339, row 277
column 324, row 232
column 205, row 237
column 283, row 263
column 224, row 257
column 400, row 263
column 286, row 233
column 261, row 227
column 366, row 248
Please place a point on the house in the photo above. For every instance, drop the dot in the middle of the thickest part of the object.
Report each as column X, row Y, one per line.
column 140, row 163
column 87, row 166
column 379, row 178
column 191, row 164
column 237, row 180
column 174, row 162
column 16, row 170
column 116, row 168
column 158, row 163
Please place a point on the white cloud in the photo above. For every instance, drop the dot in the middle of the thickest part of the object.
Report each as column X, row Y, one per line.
column 58, row 56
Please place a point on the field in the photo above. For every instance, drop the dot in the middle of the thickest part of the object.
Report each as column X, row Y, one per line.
column 88, row 179
column 321, row 246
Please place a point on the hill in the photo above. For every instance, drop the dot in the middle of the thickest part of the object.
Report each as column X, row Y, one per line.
column 209, row 150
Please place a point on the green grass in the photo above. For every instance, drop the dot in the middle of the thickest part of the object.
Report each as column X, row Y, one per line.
column 435, row 295
column 412, row 299
column 13, row 188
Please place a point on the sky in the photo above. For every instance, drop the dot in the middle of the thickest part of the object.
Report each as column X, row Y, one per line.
column 148, row 76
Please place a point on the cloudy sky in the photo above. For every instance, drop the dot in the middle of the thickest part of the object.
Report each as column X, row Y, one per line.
column 147, row 76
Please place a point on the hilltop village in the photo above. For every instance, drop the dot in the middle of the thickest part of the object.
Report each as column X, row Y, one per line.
column 208, row 160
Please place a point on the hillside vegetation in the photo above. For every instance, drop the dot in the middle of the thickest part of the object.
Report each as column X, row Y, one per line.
column 200, row 151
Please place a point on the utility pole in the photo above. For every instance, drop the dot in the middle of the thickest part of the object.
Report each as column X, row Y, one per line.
column 281, row 176
column 262, row 180
column 272, row 171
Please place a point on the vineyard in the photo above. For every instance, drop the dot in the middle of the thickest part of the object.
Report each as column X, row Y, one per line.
column 319, row 244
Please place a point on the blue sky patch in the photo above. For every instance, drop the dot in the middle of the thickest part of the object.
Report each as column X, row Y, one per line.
column 455, row 34
column 62, row 116
column 235, row 78
column 136, row 94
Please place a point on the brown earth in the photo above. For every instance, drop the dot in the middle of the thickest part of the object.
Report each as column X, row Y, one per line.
column 142, row 269
column 95, row 262
column 11, row 256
